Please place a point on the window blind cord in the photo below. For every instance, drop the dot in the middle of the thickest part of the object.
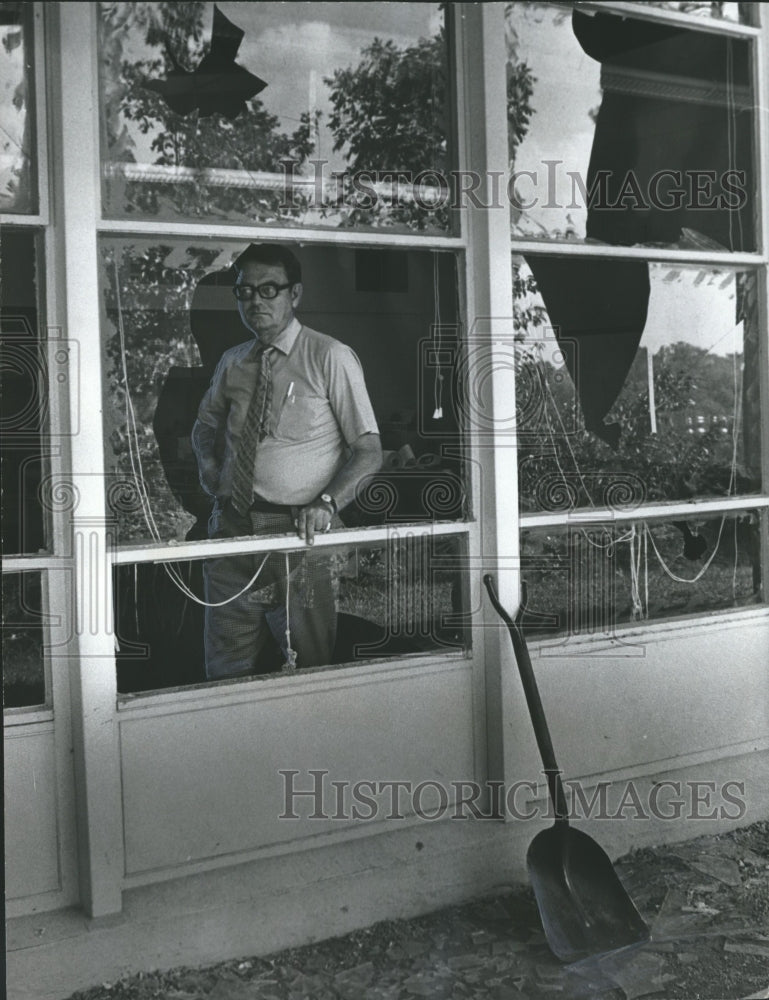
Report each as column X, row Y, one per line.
column 134, row 453
column 736, row 416
column 438, row 341
column 290, row 665
column 635, row 573
column 552, row 400
column 646, row 530
column 137, row 471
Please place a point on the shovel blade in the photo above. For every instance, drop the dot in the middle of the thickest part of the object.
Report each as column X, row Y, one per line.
column 584, row 907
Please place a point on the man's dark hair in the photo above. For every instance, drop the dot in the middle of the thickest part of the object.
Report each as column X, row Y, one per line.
column 272, row 255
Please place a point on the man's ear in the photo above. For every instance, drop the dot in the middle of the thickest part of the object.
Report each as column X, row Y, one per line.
column 296, row 294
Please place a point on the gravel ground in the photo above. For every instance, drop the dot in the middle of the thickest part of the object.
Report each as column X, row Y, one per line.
column 706, row 901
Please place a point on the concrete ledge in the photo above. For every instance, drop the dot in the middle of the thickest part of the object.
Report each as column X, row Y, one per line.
column 279, row 902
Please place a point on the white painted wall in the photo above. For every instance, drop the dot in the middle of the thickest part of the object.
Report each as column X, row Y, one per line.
column 200, row 772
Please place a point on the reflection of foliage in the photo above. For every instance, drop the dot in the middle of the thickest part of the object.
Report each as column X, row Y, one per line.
column 252, row 142
column 154, row 300
column 527, row 313
column 389, row 110
column 520, row 88
column 701, row 429
column 676, row 463
column 520, row 83
column 389, row 115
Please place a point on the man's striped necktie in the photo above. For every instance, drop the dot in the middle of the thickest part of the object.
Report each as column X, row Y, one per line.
column 255, row 429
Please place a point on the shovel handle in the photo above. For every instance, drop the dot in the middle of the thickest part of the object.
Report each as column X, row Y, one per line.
column 533, row 700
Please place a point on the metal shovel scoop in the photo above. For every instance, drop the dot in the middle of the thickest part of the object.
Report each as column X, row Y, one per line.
column 584, row 907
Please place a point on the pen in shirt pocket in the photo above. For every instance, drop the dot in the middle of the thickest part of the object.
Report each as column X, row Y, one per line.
column 290, row 397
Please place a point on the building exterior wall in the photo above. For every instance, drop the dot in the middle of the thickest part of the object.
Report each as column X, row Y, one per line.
column 158, row 817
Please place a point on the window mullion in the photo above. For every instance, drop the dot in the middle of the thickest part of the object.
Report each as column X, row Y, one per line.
column 93, row 681
column 490, row 319
column 41, row 116
column 489, row 309
column 761, row 85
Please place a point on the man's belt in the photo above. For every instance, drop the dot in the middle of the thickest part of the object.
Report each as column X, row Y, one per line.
column 259, row 504
column 262, row 506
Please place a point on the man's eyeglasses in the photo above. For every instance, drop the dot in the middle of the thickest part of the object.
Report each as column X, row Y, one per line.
column 268, row 290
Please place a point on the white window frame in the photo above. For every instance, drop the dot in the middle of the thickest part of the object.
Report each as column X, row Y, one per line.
column 97, row 706
column 54, row 438
column 130, row 554
column 52, row 719
column 492, row 533
column 758, row 261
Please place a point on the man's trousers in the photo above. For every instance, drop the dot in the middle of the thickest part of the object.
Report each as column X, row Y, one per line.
column 241, row 634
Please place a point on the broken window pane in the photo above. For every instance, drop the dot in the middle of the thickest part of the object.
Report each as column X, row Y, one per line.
column 169, row 316
column 400, row 598
column 321, row 114
column 23, row 664
column 636, row 383
column 18, row 174
column 628, row 132
column 589, row 578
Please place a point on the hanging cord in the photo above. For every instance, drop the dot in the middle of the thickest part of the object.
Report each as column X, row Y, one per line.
column 438, row 340
column 646, row 571
column 290, row 665
column 731, row 491
column 137, row 471
column 669, row 571
column 608, row 547
column 633, row 577
column 636, row 547
column 552, row 399
column 736, row 414
column 132, row 433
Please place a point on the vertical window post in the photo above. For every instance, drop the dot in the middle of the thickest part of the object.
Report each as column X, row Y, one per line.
column 92, row 677
column 490, row 322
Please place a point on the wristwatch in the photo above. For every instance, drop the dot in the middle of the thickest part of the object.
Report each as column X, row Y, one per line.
column 328, row 499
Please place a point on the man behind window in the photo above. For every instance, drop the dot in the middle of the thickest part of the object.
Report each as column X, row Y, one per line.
column 283, row 436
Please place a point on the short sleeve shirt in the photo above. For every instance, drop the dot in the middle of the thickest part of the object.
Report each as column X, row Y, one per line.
column 320, row 406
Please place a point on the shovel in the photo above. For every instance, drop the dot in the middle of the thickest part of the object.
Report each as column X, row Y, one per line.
column 584, row 907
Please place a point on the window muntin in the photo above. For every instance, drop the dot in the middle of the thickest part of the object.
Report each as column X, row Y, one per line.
column 686, row 414
column 350, row 88
column 648, row 125
column 18, row 168
column 589, row 578
column 169, row 314
column 398, row 598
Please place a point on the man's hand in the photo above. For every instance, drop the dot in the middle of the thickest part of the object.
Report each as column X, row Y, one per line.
column 315, row 517
column 365, row 459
